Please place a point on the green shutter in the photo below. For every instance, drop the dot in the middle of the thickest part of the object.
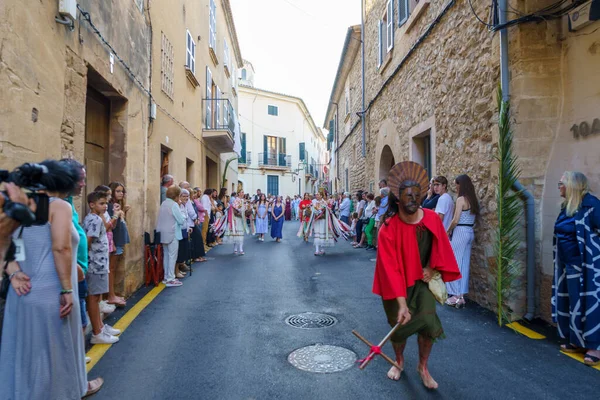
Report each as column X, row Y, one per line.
column 302, row 151
column 243, row 158
column 266, row 150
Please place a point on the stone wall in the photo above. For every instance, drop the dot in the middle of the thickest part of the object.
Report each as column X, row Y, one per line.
column 45, row 70
column 447, row 88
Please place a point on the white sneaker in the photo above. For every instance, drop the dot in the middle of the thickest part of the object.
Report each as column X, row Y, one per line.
column 106, row 308
column 173, row 283
column 110, row 330
column 104, row 338
column 88, row 360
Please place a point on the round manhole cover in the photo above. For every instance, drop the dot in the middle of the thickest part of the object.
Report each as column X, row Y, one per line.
column 310, row 320
column 322, row 359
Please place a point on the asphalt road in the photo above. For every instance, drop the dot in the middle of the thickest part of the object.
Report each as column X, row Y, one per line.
column 222, row 336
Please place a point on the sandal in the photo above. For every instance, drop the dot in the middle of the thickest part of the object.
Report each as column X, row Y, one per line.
column 118, row 303
column 569, row 348
column 93, row 387
column 591, row 360
column 451, row 301
column 180, row 276
column 242, row 253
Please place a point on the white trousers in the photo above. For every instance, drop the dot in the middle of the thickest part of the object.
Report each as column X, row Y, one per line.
column 170, row 259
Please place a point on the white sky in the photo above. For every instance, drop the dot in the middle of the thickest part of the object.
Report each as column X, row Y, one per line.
column 295, row 45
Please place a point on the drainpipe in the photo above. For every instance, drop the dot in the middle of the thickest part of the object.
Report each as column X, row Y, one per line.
column 525, row 194
column 362, row 40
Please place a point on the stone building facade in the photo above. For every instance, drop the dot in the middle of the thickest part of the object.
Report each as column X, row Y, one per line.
column 430, row 97
column 196, row 57
column 123, row 101
column 65, row 94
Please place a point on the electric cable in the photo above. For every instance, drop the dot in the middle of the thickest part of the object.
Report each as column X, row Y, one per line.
column 132, row 75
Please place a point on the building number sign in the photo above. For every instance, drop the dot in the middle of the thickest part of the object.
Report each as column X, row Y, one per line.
column 584, row 129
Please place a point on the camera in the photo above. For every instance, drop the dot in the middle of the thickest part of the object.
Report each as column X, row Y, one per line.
column 27, row 177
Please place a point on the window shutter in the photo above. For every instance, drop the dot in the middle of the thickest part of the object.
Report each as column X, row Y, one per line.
column 265, row 150
column 218, row 107
column 243, row 158
column 390, row 25
column 380, row 52
column 302, row 147
column 208, row 98
column 402, row 12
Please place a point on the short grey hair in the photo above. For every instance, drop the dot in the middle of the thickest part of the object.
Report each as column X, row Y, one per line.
column 346, row 194
column 185, row 191
column 385, row 191
column 166, row 179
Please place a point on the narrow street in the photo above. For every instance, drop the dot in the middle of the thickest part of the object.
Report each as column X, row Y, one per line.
column 223, row 336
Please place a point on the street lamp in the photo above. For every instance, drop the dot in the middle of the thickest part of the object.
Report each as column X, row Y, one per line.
column 301, row 166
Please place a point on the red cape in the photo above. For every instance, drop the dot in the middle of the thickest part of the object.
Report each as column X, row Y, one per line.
column 398, row 264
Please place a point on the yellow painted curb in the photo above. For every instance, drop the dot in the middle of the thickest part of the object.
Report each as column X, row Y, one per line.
column 579, row 357
column 525, row 331
column 98, row 350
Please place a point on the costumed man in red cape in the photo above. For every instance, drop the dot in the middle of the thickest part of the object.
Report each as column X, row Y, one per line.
column 412, row 245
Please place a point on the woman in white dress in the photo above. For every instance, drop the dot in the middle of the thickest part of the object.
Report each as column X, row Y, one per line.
column 325, row 227
column 235, row 224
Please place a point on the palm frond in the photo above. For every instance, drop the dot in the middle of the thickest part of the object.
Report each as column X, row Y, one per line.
column 509, row 213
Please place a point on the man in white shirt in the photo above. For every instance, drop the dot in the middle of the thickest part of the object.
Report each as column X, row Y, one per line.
column 445, row 205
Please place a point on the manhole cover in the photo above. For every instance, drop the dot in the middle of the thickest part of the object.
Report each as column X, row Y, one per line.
column 310, row 320
column 322, row 359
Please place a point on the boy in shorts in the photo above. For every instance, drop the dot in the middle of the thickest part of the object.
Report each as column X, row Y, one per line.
column 97, row 274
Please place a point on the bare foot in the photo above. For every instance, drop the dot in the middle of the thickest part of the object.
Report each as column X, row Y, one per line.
column 428, row 381
column 394, row 374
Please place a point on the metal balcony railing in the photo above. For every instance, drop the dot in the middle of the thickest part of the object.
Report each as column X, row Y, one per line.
column 274, row 160
column 218, row 115
column 246, row 158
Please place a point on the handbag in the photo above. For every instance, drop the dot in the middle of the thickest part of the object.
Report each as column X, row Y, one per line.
column 437, row 287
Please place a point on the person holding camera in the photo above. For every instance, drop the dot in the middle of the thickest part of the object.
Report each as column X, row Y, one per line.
column 42, row 324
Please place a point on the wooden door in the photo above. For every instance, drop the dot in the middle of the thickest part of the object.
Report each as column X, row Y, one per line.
column 97, row 114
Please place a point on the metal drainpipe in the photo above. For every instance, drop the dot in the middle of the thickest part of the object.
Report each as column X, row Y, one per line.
column 362, row 40
column 527, row 196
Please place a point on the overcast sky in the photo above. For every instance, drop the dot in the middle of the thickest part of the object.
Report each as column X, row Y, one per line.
column 295, row 45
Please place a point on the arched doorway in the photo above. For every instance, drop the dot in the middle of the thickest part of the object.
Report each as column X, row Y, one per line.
column 386, row 162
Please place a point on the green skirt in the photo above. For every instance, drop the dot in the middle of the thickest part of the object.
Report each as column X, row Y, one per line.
column 424, row 321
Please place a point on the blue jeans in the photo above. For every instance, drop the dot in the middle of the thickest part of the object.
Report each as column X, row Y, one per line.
column 83, row 291
column 344, row 219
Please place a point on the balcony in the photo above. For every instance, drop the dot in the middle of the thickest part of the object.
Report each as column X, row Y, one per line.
column 246, row 159
column 218, row 124
column 274, row 161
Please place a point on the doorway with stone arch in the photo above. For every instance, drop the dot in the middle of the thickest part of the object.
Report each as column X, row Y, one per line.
column 386, row 162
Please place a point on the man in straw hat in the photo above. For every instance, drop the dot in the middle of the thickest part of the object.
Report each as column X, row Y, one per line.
column 412, row 245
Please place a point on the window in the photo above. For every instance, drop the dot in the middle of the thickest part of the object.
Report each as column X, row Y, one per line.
column 347, row 101
column 243, row 159
column 273, row 185
column 389, row 22
column 140, row 4
column 422, row 151
column 190, row 56
column 212, row 26
column 403, row 12
column 274, row 151
column 225, row 55
column 166, row 66
column 347, row 185
column 273, row 110
column 218, row 106
column 189, row 170
column 209, row 99
column 302, row 151
column 244, row 74
column 386, row 32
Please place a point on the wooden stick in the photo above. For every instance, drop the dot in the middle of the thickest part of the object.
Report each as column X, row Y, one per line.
column 381, row 344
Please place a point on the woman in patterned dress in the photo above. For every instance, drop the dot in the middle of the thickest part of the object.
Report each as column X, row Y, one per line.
column 576, row 288
column 236, row 226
